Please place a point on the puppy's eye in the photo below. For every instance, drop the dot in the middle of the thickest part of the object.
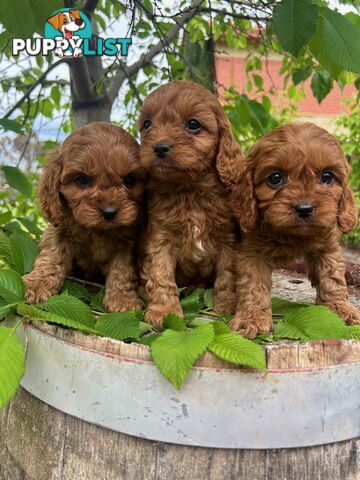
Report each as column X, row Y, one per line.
column 275, row 179
column 129, row 181
column 193, row 125
column 327, row 178
column 83, row 180
column 146, row 124
column 66, row 20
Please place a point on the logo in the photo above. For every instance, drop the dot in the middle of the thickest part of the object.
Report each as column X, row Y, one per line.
column 68, row 34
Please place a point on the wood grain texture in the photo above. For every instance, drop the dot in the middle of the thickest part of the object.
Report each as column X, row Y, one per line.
column 40, row 443
column 281, row 355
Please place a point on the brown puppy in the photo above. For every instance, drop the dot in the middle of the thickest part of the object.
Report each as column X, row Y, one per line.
column 293, row 200
column 91, row 192
column 186, row 141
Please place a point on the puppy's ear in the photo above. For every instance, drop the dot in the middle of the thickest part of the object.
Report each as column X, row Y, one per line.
column 243, row 200
column 51, row 204
column 55, row 20
column 347, row 213
column 229, row 156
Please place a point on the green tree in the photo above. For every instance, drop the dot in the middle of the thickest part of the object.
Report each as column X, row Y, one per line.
column 178, row 42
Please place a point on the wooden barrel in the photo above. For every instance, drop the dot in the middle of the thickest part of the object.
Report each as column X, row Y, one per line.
column 98, row 409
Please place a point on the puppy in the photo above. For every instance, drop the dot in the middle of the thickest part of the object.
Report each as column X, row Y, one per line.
column 91, row 193
column 293, row 200
column 186, row 141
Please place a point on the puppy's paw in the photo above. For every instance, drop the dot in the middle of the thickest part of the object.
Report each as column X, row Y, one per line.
column 224, row 302
column 120, row 302
column 37, row 290
column 348, row 312
column 251, row 326
column 155, row 313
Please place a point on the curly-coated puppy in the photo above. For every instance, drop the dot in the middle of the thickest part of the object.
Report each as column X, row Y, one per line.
column 91, row 192
column 186, row 142
column 293, row 200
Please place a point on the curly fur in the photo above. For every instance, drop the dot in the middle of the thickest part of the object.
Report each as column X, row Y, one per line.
column 79, row 235
column 191, row 233
column 275, row 234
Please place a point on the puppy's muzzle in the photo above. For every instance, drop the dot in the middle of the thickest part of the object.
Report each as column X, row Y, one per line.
column 304, row 209
column 78, row 22
column 109, row 213
column 162, row 149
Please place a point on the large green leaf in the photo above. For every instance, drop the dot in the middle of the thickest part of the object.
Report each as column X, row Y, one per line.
column 76, row 290
column 16, row 179
column 11, row 286
column 174, row 322
column 24, row 251
column 43, row 9
column 12, row 364
column 191, row 304
column 336, row 42
column 280, row 306
column 17, row 17
column 67, row 306
column 34, row 313
column 175, row 352
column 119, row 325
column 233, row 348
column 321, row 84
column 312, row 323
column 295, row 23
column 11, row 125
column 5, row 249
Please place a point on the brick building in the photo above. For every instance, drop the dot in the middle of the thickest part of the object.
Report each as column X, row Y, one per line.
column 230, row 71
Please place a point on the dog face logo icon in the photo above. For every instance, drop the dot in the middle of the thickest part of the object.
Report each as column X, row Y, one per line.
column 68, row 27
column 67, row 22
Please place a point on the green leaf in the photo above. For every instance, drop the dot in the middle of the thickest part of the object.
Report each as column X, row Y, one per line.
column 16, row 179
column 30, row 226
column 12, row 364
column 321, row 84
column 97, row 301
column 148, row 340
column 17, row 17
column 295, row 23
column 209, row 298
column 119, row 325
column 301, row 75
column 6, row 310
column 5, row 217
column 143, row 326
column 34, row 313
column 312, row 323
column 175, row 352
column 11, row 286
column 76, row 290
column 11, row 125
column 174, row 322
column 191, row 304
column 280, row 306
column 24, row 252
column 233, row 348
column 67, row 306
column 42, row 9
column 5, row 249
column 337, row 41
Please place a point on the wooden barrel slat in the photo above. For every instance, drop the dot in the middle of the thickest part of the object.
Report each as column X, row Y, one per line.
column 39, row 442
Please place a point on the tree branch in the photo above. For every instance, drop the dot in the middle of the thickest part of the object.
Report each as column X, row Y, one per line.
column 147, row 58
column 39, row 81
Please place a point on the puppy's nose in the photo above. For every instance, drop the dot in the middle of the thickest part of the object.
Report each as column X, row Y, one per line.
column 78, row 22
column 162, row 149
column 109, row 213
column 304, row 209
